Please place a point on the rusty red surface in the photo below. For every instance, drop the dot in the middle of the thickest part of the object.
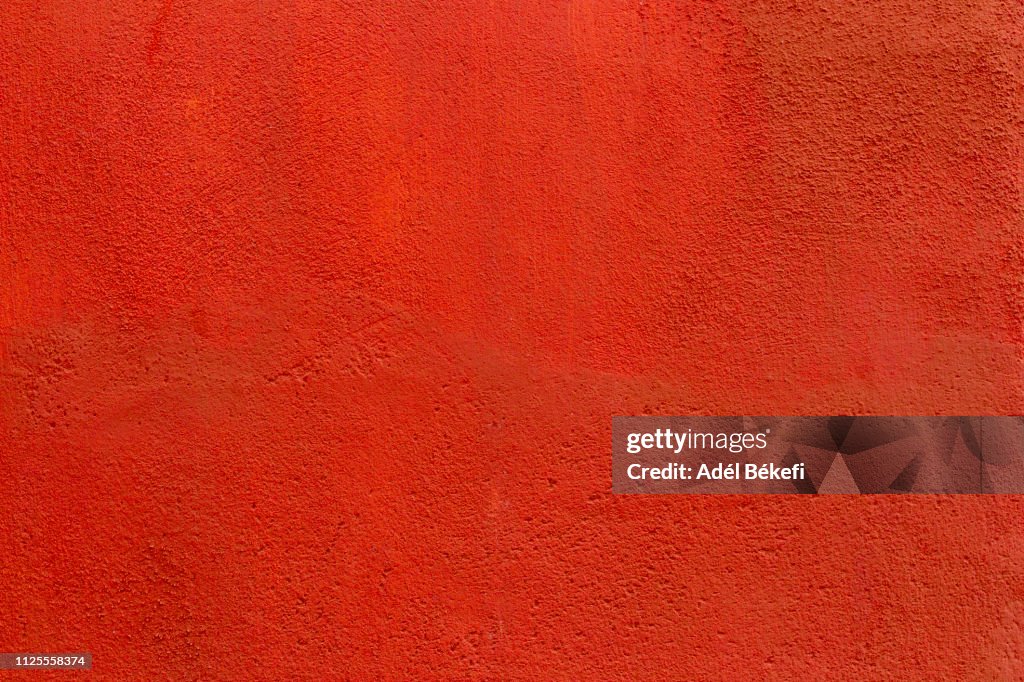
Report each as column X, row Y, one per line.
column 313, row 316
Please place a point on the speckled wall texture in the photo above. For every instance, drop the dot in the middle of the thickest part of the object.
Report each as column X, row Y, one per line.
column 314, row 315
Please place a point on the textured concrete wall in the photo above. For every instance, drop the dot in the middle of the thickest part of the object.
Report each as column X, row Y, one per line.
column 313, row 316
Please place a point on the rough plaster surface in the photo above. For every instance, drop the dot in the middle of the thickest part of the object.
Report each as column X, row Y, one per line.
column 313, row 316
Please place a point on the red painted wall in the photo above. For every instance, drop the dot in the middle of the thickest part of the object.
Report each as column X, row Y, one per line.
column 313, row 317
